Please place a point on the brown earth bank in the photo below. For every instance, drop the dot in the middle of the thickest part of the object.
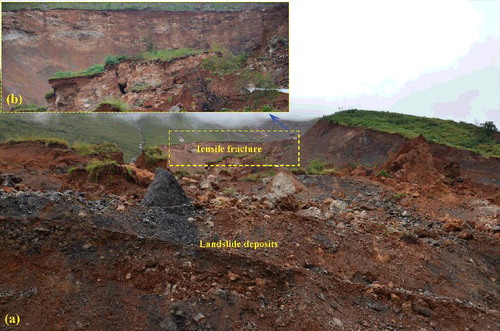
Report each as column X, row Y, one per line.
column 158, row 86
column 342, row 146
column 356, row 250
column 36, row 43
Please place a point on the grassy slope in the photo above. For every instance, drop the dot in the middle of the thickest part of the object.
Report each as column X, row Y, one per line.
column 94, row 129
column 132, row 6
column 461, row 135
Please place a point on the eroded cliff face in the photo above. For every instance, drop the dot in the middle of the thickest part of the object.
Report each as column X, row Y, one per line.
column 160, row 86
column 38, row 43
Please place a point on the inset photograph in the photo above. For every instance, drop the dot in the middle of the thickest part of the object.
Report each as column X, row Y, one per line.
column 145, row 57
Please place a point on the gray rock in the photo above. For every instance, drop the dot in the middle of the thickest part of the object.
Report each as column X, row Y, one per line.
column 164, row 191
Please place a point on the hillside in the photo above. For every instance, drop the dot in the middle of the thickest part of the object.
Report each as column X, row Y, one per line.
column 446, row 132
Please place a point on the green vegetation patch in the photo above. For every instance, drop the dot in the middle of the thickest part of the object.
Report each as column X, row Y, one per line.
column 91, row 71
column 97, row 168
column 48, row 142
column 168, row 54
column 479, row 139
column 224, row 62
column 258, row 175
column 116, row 103
column 115, row 59
column 384, row 173
column 154, row 155
column 30, row 107
column 162, row 6
column 95, row 149
column 259, row 79
column 398, row 196
column 49, row 94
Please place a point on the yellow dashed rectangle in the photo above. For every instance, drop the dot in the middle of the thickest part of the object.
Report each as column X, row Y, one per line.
column 233, row 165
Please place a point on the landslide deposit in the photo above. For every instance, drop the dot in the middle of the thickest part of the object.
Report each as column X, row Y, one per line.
column 106, row 245
column 39, row 43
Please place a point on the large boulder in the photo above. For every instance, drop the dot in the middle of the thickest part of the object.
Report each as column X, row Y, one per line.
column 164, row 191
column 284, row 184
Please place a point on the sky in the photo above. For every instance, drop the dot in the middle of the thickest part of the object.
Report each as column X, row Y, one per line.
column 427, row 58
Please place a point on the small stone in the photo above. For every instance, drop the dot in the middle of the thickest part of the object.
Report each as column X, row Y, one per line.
column 232, row 276
column 120, row 208
column 337, row 322
column 128, row 276
column 199, row 317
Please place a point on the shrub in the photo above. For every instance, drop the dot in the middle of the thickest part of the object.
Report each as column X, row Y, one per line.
column 96, row 168
column 116, row 103
column 316, row 167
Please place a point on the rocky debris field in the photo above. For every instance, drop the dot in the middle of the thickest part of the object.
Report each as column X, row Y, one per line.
column 356, row 251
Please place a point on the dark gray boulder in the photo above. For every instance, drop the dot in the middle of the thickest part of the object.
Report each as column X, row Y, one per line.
column 164, row 191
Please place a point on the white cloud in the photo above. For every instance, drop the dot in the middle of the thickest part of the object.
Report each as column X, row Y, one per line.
column 341, row 48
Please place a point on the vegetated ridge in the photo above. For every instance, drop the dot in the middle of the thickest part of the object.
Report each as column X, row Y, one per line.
column 482, row 139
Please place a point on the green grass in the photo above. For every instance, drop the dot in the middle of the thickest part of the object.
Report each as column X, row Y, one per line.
column 50, row 94
column 164, row 55
column 169, row 54
column 259, row 79
column 181, row 173
column 229, row 191
column 140, row 87
column 92, row 129
column 115, row 59
column 116, row 103
column 96, row 168
column 30, row 107
column 163, row 6
column 446, row 132
column 398, row 196
column 95, row 149
column 48, row 142
column 258, row 175
column 225, row 62
column 384, row 173
column 154, row 155
column 91, row 71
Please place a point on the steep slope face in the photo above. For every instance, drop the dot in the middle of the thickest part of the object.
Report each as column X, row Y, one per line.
column 181, row 84
column 344, row 145
column 38, row 43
